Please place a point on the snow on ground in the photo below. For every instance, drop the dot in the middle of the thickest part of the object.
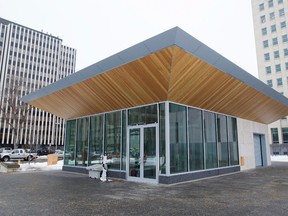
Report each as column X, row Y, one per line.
column 40, row 166
column 43, row 166
column 279, row 158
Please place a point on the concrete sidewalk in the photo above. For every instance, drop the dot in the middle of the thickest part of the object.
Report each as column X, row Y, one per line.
column 262, row 191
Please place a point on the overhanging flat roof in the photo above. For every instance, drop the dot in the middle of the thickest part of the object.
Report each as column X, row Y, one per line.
column 172, row 66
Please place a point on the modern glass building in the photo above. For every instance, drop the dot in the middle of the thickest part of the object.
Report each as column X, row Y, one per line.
column 166, row 110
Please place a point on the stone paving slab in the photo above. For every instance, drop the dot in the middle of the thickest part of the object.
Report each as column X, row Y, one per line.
column 262, row 191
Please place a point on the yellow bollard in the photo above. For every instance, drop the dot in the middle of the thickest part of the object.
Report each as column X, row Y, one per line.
column 18, row 162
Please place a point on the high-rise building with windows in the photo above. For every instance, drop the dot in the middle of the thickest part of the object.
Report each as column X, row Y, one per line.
column 270, row 19
column 29, row 60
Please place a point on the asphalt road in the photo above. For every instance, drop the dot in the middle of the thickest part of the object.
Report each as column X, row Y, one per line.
column 262, row 191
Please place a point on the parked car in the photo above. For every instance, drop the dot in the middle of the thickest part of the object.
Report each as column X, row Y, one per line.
column 5, row 150
column 60, row 153
column 44, row 151
column 18, row 154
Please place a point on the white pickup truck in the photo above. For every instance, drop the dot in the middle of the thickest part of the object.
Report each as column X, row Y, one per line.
column 17, row 154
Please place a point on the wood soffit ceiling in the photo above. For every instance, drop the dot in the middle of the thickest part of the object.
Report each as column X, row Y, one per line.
column 170, row 74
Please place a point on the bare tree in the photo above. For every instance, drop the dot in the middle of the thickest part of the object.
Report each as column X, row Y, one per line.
column 14, row 111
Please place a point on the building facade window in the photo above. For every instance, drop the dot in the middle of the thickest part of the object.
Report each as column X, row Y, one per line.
column 268, row 69
column 283, row 24
column 269, row 83
column 279, row 82
column 270, row 3
column 264, row 31
column 281, row 12
column 263, row 19
column 284, row 38
column 285, row 135
column 261, row 6
column 267, row 56
column 280, row 1
column 274, row 135
column 286, row 65
column 272, row 16
column 265, row 44
column 278, row 68
column 275, row 41
column 285, row 52
column 273, row 28
column 276, row 54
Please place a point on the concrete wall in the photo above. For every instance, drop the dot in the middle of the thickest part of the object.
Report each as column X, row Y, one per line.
column 246, row 131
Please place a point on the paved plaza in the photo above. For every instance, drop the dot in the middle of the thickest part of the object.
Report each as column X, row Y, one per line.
column 262, row 191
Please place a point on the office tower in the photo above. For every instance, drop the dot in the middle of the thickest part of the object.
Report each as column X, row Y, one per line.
column 271, row 37
column 29, row 60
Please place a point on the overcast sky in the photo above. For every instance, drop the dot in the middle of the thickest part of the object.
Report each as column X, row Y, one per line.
column 101, row 28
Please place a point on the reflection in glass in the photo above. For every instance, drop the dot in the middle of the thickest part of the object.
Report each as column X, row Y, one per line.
column 142, row 115
column 82, row 142
column 113, row 139
column 196, row 151
column 70, row 143
column 162, row 137
column 123, row 159
column 149, row 158
column 210, row 140
column 178, row 141
column 232, row 140
column 222, row 141
column 134, row 152
column 96, row 140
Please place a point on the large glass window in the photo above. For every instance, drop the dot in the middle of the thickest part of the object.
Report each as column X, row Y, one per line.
column 278, row 68
column 284, row 38
column 143, row 115
column 196, row 148
column 124, row 126
column 276, row 54
column 210, row 140
column 178, row 140
column 70, row 143
column 162, row 137
column 279, row 82
column 269, row 83
column 275, row 137
column 112, row 141
column 285, row 135
column 96, row 139
column 233, row 140
column 222, row 141
column 283, row 24
column 272, row 16
column 82, row 142
column 267, row 56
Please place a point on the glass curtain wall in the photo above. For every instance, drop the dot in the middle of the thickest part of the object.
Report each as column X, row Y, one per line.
column 69, row 158
column 82, row 142
column 178, row 139
column 113, row 138
column 196, row 148
column 223, row 154
column 210, row 140
column 233, row 140
column 96, row 140
column 162, row 138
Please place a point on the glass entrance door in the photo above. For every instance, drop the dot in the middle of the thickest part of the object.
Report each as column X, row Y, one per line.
column 143, row 153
